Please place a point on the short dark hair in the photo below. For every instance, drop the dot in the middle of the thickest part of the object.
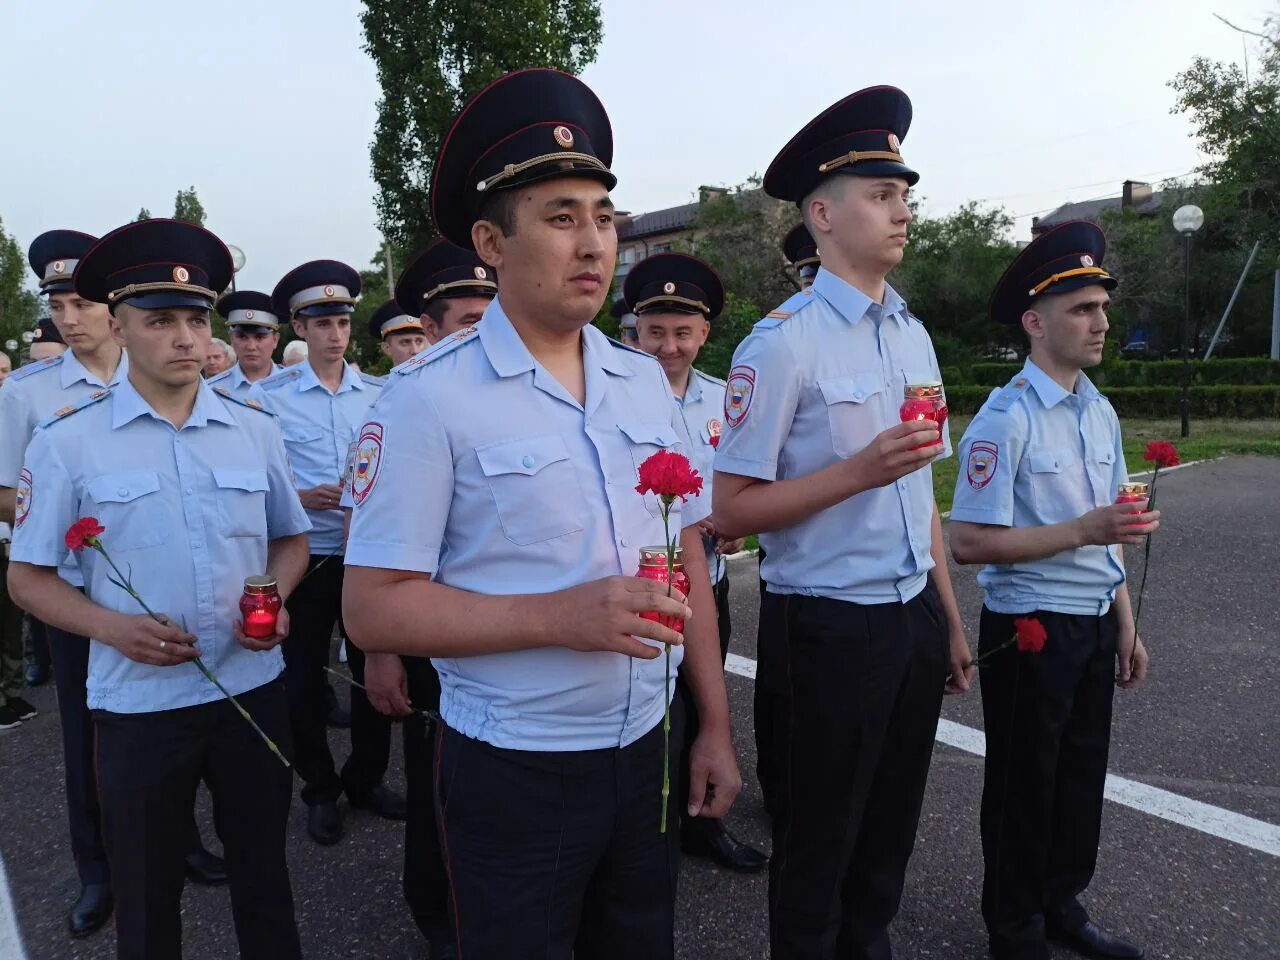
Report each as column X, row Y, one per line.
column 437, row 308
column 499, row 208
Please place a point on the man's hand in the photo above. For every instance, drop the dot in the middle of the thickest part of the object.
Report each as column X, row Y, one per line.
column 706, row 529
column 1119, row 523
column 727, row 548
column 144, row 639
column 604, row 615
column 324, row 497
column 1131, row 659
column 893, row 454
column 265, row 643
column 387, row 684
column 714, row 780
column 961, row 659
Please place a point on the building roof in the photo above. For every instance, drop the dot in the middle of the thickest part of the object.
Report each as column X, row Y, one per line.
column 1093, row 209
column 659, row 221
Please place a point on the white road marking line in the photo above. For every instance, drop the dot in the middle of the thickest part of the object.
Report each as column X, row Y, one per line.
column 10, row 936
column 1204, row 817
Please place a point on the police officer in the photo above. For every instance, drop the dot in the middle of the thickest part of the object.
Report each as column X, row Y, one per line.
column 446, row 289
column 627, row 331
column 398, row 334
column 321, row 403
column 859, row 621
column 48, row 341
column 1035, row 501
column 157, row 445
column 255, row 332
column 93, row 362
column 512, row 568
column 801, row 253
column 674, row 298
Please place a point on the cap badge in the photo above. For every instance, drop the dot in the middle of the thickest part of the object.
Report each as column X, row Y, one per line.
column 564, row 136
column 894, row 143
column 668, row 287
column 248, row 314
column 328, row 291
column 180, row 274
column 481, row 274
column 59, row 266
column 1086, row 261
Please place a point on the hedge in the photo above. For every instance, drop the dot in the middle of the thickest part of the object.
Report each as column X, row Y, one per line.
column 1226, row 402
column 1238, row 371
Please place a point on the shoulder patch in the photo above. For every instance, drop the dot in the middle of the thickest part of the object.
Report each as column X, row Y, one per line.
column 737, row 395
column 63, row 412
column 249, row 402
column 436, row 350
column 1005, row 398
column 287, row 375
column 48, row 363
column 371, row 380
column 787, row 309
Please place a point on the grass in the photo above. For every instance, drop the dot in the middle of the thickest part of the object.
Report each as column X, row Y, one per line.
column 1209, row 439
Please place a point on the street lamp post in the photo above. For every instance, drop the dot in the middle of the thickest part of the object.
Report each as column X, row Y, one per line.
column 1186, row 220
column 237, row 263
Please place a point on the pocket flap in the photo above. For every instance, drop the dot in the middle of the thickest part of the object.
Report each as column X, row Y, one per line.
column 239, row 478
column 1047, row 461
column 1107, row 457
column 650, row 431
column 302, row 434
column 852, row 389
column 527, row 455
column 123, row 487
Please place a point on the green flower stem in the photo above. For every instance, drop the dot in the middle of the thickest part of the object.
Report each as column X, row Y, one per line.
column 428, row 714
column 1146, row 566
column 124, row 583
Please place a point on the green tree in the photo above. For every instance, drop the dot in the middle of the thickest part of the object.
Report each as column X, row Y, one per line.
column 19, row 307
column 143, row 214
column 431, row 55
column 188, row 208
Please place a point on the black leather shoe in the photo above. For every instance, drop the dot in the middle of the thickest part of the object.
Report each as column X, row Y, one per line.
column 716, row 843
column 91, row 911
column 324, row 823
column 37, row 674
column 383, row 801
column 1091, row 940
column 206, row 869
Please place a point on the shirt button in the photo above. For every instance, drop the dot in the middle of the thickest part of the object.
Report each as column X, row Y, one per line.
column 122, row 492
column 527, row 462
column 625, row 542
column 190, row 491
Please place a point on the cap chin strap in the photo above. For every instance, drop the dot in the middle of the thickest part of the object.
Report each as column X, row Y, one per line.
column 857, row 156
column 1065, row 275
column 133, row 289
column 512, row 170
column 668, row 298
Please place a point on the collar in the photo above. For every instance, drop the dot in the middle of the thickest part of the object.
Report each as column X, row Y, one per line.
column 308, row 380
column 1050, row 391
column 509, row 356
column 237, row 377
column 128, row 405
column 72, row 371
column 693, row 391
column 851, row 303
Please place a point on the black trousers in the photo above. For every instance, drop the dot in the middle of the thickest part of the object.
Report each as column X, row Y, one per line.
column 426, row 885
column 1048, row 721
column 314, row 607
column 558, row 855
column 853, row 737
column 37, row 642
column 149, row 766
column 680, row 799
column 768, row 690
column 69, row 655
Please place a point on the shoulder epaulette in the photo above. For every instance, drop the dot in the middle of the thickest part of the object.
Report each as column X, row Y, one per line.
column 629, row 348
column 436, row 350
column 716, row 380
column 63, row 412
column 373, row 381
column 912, row 316
column 249, row 402
column 1004, row 399
column 220, row 377
column 48, row 363
column 287, row 375
column 789, row 308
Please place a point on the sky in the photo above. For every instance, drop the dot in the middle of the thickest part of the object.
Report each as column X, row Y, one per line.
column 268, row 108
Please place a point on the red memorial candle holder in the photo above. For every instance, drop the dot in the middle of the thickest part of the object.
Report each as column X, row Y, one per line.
column 260, row 607
column 653, row 566
column 1132, row 493
column 925, row 401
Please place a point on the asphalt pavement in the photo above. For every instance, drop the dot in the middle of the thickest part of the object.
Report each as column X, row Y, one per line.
column 1205, row 726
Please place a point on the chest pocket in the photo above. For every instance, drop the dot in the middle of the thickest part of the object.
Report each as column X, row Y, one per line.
column 852, row 411
column 535, row 487
column 302, row 433
column 127, row 505
column 647, row 437
column 1058, row 485
column 242, row 501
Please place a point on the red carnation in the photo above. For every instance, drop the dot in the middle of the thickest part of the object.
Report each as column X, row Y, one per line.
column 669, row 475
column 1162, row 453
column 1031, row 634
column 83, row 533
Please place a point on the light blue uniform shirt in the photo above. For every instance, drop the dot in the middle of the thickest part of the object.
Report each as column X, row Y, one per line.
column 1037, row 455
column 813, row 383
column 701, row 408
column 188, row 514
column 235, row 380
column 479, row 468
column 318, row 428
column 31, row 395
